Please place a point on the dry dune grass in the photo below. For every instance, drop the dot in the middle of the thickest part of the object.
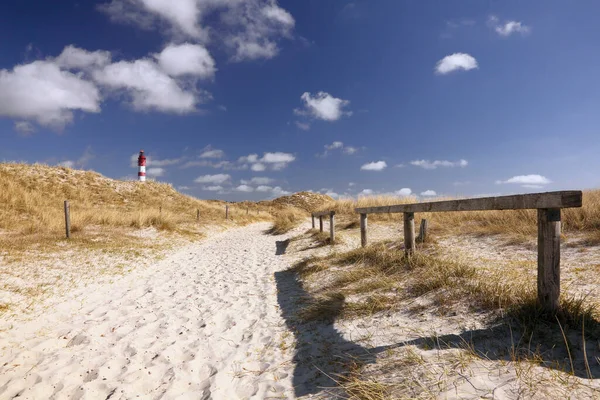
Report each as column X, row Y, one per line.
column 287, row 219
column 31, row 206
column 514, row 222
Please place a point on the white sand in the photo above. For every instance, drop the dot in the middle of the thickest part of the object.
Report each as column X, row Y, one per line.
column 203, row 323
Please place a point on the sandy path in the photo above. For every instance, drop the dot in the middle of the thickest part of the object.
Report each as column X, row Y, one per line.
column 202, row 324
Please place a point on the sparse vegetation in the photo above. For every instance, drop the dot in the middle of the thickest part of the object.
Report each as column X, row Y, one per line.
column 286, row 220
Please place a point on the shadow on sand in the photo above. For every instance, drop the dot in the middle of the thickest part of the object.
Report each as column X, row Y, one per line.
column 321, row 354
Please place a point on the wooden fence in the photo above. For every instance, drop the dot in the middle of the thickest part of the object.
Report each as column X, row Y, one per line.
column 548, row 206
column 320, row 215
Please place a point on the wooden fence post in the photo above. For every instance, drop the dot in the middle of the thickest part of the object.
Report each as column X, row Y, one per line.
column 423, row 231
column 332, row 227
column 160, row 210
column 313, row 221
column 321, row 223
column 548, row 282
column 363, row 230
column 226, row 212
column 67, row 219
column 198, row 215
column 409, row 233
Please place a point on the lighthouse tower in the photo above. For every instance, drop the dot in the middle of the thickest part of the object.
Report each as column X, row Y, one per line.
column 142, row 167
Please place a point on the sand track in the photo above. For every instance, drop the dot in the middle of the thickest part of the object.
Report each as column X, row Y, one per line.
column 201, row 324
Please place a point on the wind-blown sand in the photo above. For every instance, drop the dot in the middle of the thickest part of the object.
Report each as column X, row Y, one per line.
column 203, row 323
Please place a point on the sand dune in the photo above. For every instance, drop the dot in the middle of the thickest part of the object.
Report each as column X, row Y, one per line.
column 203, row 323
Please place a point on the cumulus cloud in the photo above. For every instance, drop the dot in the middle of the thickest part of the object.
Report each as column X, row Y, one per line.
column 323, row 106
column 148, row 86
column 155, row 171
column 249, row 29
column 366, row 192
column 212, row 153
column 275, row 161
column 245, row 188
column 374, row 166
column 337, row 145
column 529, row 181
column 258, row 180
column 75, row 58
column 275, row 191
column 455, row 62
column 42, row 92
column 403, row 192
column 217, row 178
column 508, row 27
column 429, row 193
column 187, row 59
column 214, row 188
column 426, row 164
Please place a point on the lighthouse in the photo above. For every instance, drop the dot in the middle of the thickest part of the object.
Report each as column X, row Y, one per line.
column 142, row 167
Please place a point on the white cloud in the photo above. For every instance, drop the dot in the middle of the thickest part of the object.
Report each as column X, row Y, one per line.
column 350, row 150
column 149, row 87
column 249, row 29
column 245, row 188
column 258, row 180
column 182, row 15
column 212, row 153
column 67, row 164
column 217, row 188
column 374, row 166
column 42, row 92
column 323, row 106
column 508, row 27
column 527, row 180
column 278, row 157
column 403, row 192
column 275, row 191
column 351, row 184
column 75, row 58
column 264, row 188
column 258, row 167
column 302, row 125
column 426, row 164
column 187, row 59
column 218, row 178
column 251, row 158
column 455, row 62
column 429, row 193
column 25, row 128
column 337, row 145
column 366, row 192
column 155, row 171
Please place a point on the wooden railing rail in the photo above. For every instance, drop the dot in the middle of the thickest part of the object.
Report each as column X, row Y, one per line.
column 549, row 207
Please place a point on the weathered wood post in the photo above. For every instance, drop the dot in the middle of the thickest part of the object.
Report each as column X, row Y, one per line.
column 321, row 223
column 67, row 219
column 363, row 230
column 198, row 215
column 549, row 258
column 423, row 231
column 332, row 227
column 160, row 210
column 226, row 212
column 313, row 220
column 409, row 233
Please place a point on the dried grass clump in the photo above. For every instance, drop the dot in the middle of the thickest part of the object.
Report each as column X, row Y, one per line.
column 286, row 220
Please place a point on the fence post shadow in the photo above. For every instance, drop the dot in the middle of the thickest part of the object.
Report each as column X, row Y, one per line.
column 321, row 354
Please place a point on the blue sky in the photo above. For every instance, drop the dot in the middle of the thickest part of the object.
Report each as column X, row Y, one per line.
column 252, row 99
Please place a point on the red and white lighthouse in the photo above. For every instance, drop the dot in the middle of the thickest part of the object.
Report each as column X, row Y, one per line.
column 142, row 167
